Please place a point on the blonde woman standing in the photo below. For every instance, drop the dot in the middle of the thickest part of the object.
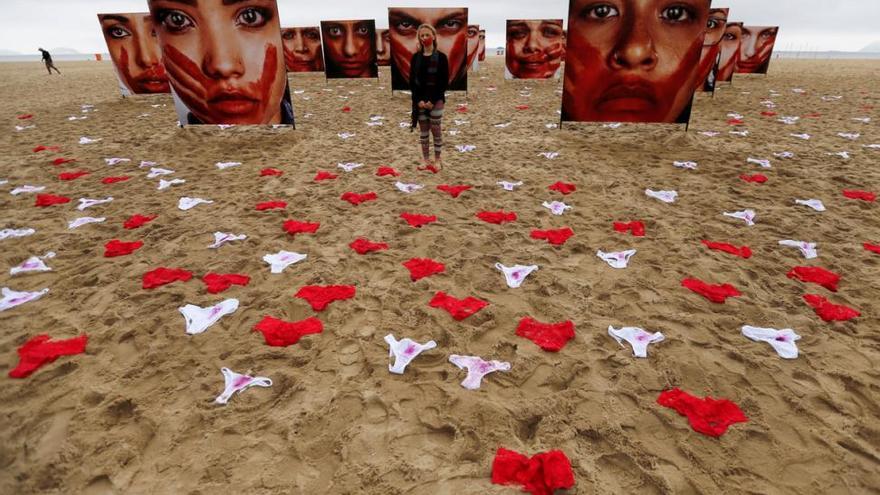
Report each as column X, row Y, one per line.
column 429, row 77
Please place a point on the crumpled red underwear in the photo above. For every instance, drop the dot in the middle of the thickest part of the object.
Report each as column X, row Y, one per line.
column 322, row 175
column 429, row 168
column 496, row 217
column 735, row 122
column 742, row 252
column 828, row 311
column 715, row 293
column 163, row 276
column 522, row 107
column 549, row 336
column 383, row 171
column 271, row 172
column 767, row 113
column 542, row 474
column 813, row 115
column 118, row 248
column 462, row 109
column 453, row 191
column 757, row 178
column 862, row 195
column 219, row 282
column 62, row 161
column 271, row 205
column 320, row 296
column 420, row 268
column 114, row 180
column 874, row 248
column 72, row 175
column 357, row 199
column 279, row 333
column 637, row 228
column 708, row 416
column 458, row 308
column 44, row 200
column 25, row 116
column 564, row 188
column 363, row 246
column 39, row 351
column 554, row 237
column 417, row 221
column 294, row 227
column 346, row 109
column 816, row 275
column 40, row 148
column 137, row 221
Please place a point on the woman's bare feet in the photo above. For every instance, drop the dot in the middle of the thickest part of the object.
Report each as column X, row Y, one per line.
column 438, row 164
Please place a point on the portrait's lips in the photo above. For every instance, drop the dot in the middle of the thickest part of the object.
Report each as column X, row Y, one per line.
column 234, row 102
column 628, row 96
column 156, row 85
column 352, row 64
column 153, row 80
column 750, row 65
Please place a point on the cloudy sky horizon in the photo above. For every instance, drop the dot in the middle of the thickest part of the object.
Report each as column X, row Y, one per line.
column 813, row 25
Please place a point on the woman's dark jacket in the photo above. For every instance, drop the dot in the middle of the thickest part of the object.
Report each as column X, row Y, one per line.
column 429, row 77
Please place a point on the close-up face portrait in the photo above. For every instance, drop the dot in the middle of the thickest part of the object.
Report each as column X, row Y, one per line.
column 482, row 48
column 711, row 45
column 134, row 49
column 349, row 49
column 730, row 47
column 756, row 49
column 302, row 49
column 632, row 60
column 383, row 47
column 473, row 43
column 535, row 48
column 224, row 59
column 452, row 30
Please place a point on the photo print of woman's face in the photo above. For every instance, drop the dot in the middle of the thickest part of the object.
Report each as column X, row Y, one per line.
column 730, row 46
column 383, row 47
column 302, row 49
column 535, row 48
column 711, row 49
column 225, row 60
column 473, row 45
column 632, row 60
column 350, row 49
column 452, row 29
column 482, row 49
column 756, row 49
column 134, row 49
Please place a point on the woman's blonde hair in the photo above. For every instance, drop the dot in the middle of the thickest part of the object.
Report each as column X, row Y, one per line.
column 433, row 31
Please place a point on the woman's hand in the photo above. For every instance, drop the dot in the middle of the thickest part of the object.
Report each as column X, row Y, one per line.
column 429, row 105
column 421, row 104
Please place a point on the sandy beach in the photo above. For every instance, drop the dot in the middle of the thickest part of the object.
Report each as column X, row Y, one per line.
column 136, row 413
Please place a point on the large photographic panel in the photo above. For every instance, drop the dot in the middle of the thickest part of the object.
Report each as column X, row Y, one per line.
column 482, row 49
column 383, row 47
column 135, row 52
column 350, row 49
column 535, row 48
column 473, row 45
column 452, row 40
column 302, row 49
column 632, row 60
column 729, row 54
column 756, row 49
column 710, row 57
column 225, row 60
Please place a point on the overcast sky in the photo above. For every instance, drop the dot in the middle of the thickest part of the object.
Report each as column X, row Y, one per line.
column 846, row 25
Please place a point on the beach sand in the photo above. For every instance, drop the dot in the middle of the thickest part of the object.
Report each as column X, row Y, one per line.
column 135, row 413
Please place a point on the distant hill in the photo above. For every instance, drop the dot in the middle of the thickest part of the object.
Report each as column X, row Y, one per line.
column 872, row 48
column 63, row 51
column 8, row 52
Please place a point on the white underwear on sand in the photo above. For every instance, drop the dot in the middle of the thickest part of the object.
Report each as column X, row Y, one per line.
column 808, row 249
column 784, row 154
column 852, row 136
column 812, row 203
column 87, row 140
column 11, row 233
column 404, row 351
column 13, row 298
column 637, row 338
column 510, row 186
column 803, row 136
column 190, row 203
column 33, row 264
column 746, row 215
column 465, row 148
column 550, row 155
column 760, row 162
column 158, row 172
column 200, row 319
column 477, row 369
column 408, row 188
column 165, row 184
column 783, row 341
column 349, row 167
column 665, row 196
column 617, row 260
column 237, row 383
column 516, row 275
column 115, row 161
column 27, row 189
column 225, row 165
column 556, row 207
column 221, row 238
column 88, row 203
column 687, row 165
column 282, row 259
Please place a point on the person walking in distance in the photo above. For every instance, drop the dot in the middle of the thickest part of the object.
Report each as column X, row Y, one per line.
column 47, row 58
